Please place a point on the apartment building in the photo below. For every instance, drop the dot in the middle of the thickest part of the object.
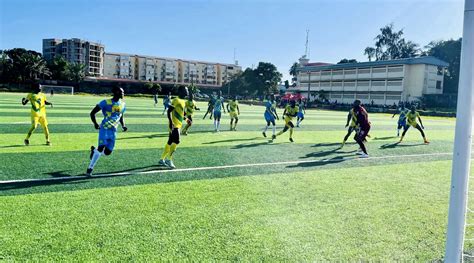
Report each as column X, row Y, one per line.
column 76, row 50
column 167, row 70
column 383, row 82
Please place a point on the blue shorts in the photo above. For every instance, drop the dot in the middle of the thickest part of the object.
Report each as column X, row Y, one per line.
column 217, row 114
column 269, row 117
column 300, row 115
column 402, row 123
column 166, row 105
column 107, row 138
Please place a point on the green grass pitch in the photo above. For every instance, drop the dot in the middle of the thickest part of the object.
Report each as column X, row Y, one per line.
column 315, row 203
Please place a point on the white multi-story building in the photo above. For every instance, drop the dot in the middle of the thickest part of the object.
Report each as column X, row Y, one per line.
column 167, row 70
column 383, row 82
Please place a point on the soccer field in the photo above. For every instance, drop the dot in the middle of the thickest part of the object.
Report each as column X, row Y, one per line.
column 235, row 196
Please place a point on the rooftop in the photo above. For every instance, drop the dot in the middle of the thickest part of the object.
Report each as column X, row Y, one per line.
column 405, row 61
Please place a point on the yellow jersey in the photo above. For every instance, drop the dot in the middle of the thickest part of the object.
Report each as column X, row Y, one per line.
column 290, row 113
column 189, row 108
column 177, row 115
column 353, row 118
column 233, row 106
column 411, row 117
column 38, row 104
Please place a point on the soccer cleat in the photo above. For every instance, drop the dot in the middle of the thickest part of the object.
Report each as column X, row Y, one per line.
column 89, row 172
column 426, row 141
column 27, row 142
column 49, row 143
column 291, row 140
column 162, row 163
column 364, row 155
column 264, row 134
column 92, row 152
column 170, row 164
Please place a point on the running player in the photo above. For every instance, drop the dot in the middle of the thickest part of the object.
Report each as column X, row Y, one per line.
column 290, row 112
column 166, row 103
column 301, row 112
column 234, row 112
column 218, row 107
column 189, row 109
column 352, row 127
column 270, row 115
column 175, row 119
column 155, row 98
column 210, row 107
column 113, row 110
column 362, row 120
column 412, row 115
column 38, row 103
column 402, row 118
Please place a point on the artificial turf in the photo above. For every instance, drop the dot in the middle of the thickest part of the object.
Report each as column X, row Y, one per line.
column 392, row 206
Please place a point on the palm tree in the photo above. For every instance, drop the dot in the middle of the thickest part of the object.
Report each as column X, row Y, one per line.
column 76, row 72
column 370, row 52
column 293, row 72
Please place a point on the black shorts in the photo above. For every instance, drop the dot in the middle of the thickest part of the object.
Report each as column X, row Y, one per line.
column 173, row 136
column 189, row 119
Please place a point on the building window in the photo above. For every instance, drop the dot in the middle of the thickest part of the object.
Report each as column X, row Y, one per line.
column 363, row 70
column 440, row 71
column 438, row 84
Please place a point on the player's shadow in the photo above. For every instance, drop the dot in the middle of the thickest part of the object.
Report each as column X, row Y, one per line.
column 397, row 144
column 384, row 138
column 152, row 136
column 315, row 163
column 233, row 140
column 251, row 145
column 21, row 145
column 325, row 153
column 329, row 144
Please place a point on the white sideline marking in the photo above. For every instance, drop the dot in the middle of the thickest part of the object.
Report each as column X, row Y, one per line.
column 64, row 178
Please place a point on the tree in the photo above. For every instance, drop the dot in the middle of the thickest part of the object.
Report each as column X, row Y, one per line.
column 76, row 72
column 59, row 68
column 20, row 65
column 322, row 95
column 449, row 51
column 345, row 60
column 293, row 72
column 370, row 52
column 390, row 44
column 287, row 84
column 259, row 81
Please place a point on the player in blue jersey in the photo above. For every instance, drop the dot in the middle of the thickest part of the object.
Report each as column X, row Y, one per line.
column 402, row 118
column 218, row 108
column 113, row 110
column 301, row 113
column 166, row 103
column 270, row 115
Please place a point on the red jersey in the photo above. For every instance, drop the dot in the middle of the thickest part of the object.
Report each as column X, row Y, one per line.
column 362, row 117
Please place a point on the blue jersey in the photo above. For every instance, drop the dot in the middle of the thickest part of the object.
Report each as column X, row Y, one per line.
column 112, row 111
column 301, row 107
column 403, row 114
column 218, row 104
column 166, row 101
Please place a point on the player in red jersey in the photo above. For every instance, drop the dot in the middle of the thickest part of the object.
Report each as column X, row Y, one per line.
column 364, row 127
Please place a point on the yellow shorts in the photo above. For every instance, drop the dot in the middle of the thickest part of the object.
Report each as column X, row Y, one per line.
column 289, row 123
column 413, row 124
column 233, row 114
column 35, row 120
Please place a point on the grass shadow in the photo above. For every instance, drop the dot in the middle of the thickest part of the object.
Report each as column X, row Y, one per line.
column 334, row 160
column 233, row 140
column 252, row 145
column 398, row 144
column 384, row 138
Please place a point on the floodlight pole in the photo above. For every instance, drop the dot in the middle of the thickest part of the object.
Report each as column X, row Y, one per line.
column 462, row 142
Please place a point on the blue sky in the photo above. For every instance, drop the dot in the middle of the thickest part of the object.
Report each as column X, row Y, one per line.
column 259, row 30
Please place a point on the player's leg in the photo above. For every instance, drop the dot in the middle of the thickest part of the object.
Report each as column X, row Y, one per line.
column 405, row 129
column 399, row 127
column 44, row 124
column 349, row 132
column 291, row 130
column 207, row 112
column 422, row 133
column 273, row 129
column 360, row 138
column 34, row 124
column 217, row 119
column 231, row 123
column 236, row 121
column 175, row 139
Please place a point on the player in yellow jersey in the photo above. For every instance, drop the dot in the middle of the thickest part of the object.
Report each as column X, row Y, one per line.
column 411, row 116
column 290, row 112
column 175, row 118
column 189, row 108
column 352, row 127
column 234, row 112
column 38, row 112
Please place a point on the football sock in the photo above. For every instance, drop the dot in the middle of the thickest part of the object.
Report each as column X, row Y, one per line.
column 172, row 150
column 95, row 158
column 273, row 128
column 166, row 151
column 32, row 129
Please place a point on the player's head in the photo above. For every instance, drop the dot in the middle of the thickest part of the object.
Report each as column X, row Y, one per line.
column 182, row 92
column 35, row 87
column 234, row 98
column 292, row 103
column 118, row 92
column 356, row 103
column 413, row 108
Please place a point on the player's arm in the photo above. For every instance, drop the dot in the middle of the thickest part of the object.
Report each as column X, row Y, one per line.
column 48, row 103
column 238, row 109
column 348, row 119
column 93, row 119
column 227, row 106
column 170, row 110
column 223, row 106
column 274, row 112
column 24, row 101
column 304, row 109
column 122, row 122
column 421, row 123
column 394, row 114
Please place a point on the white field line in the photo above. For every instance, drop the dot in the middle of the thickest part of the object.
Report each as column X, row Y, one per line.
column 161, row 171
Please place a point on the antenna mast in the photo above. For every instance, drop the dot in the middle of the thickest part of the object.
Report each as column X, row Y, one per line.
column 306, row 45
